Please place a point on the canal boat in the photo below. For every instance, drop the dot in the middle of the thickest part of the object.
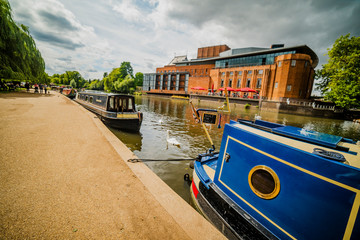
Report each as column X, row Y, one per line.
column 116, row 110
column 69, row 92
column 271, row 181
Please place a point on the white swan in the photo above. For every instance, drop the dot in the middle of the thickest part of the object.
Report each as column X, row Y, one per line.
column 161, row 121
column 172, row 141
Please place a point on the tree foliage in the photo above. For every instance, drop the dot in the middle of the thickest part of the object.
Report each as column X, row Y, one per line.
column 126, row 69
column 122, row 80
column 19, row 57
column 340, row 77
column 139, row 77
column 67, row 78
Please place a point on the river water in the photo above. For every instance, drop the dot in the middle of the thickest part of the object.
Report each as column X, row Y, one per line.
column 163, row 113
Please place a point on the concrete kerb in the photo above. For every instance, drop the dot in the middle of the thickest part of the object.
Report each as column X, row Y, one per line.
column 195, row 226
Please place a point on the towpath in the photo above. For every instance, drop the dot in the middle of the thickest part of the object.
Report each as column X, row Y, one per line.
column 64, row 175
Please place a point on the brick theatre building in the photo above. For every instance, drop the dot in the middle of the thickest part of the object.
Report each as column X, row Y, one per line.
column 275, row 73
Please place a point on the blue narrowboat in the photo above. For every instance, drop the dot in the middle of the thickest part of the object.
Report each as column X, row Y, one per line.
column 116, row 110
column 271, row 181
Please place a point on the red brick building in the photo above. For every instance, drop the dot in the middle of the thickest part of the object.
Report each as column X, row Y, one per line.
column 275, row 73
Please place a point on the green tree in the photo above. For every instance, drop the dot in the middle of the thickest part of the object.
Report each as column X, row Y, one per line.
column 139, row 79
column 340, row 77
column 19, row 57
column 126, row 85
column 126, row 69
column 73, row 83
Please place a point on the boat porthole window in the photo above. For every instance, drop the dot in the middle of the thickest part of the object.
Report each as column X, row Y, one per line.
column 264, row 182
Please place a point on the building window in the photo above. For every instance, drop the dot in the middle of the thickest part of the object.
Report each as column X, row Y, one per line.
column 222, row 83
column 306, row 63
column 238, row 83
column 231, row 73
column 206, row 71
column 248, row 82
column 288, row 88
column 293, row 63
column 240, row 73
column 249, row 72
column 230, row 82
column 258, row 83
column 223, row 73
column 261, row 71
column 276, row 85
column 279, row 64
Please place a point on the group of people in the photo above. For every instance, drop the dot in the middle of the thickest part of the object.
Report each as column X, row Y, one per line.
column 37, row 88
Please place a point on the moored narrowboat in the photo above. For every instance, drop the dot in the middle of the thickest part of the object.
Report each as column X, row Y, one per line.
column 69, row 92
column 271, row 181
column 115, row 110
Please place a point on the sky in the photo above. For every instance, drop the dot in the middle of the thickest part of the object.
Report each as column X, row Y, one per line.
column 95, row 36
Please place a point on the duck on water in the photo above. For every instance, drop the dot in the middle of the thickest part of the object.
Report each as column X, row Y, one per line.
column 116, row 110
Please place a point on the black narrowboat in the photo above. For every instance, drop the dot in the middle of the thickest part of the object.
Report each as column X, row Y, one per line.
column 116, row 110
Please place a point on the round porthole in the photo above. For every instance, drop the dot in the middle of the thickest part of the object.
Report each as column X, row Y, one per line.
column 264, row 182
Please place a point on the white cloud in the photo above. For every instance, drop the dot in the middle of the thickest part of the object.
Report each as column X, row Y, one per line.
column 129, row 11
column 99, row 35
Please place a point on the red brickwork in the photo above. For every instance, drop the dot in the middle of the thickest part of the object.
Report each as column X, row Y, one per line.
column 291, row 76
column 213, row 51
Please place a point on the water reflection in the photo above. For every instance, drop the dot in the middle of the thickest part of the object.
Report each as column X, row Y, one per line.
column 162, row 114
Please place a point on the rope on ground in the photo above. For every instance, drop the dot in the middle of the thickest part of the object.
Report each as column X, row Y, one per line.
column 135, row 160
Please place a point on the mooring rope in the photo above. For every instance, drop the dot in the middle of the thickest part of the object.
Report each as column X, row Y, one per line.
column 135, row 160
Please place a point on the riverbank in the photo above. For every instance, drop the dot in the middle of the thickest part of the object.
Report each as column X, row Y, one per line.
column 65, row 175
column 289, row 106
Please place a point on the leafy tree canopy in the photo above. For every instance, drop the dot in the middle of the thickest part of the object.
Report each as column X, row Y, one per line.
column 340, row 77
column 126, row 69
column 139, row 77
column 19, row 57
column 68, row 77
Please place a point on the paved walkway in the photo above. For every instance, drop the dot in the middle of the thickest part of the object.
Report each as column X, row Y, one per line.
column 63, row 176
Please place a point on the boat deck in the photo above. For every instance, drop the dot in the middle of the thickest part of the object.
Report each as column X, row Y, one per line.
column 351, row 157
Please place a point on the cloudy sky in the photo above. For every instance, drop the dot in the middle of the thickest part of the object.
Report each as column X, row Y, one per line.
column 95, row 36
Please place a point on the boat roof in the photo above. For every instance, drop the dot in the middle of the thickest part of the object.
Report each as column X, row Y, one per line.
column 99, row 93
column 304, row 140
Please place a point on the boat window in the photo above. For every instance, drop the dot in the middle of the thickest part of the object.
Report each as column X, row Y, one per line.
column 86, row 98
column 264, row 182
column 124, row 104
column 111, row 104
column 130, row 107
column 91, row 99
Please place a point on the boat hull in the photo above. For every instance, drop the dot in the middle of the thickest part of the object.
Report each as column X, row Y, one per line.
column 226, row 215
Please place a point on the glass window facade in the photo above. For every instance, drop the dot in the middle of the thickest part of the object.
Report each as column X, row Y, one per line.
column 263, row 59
